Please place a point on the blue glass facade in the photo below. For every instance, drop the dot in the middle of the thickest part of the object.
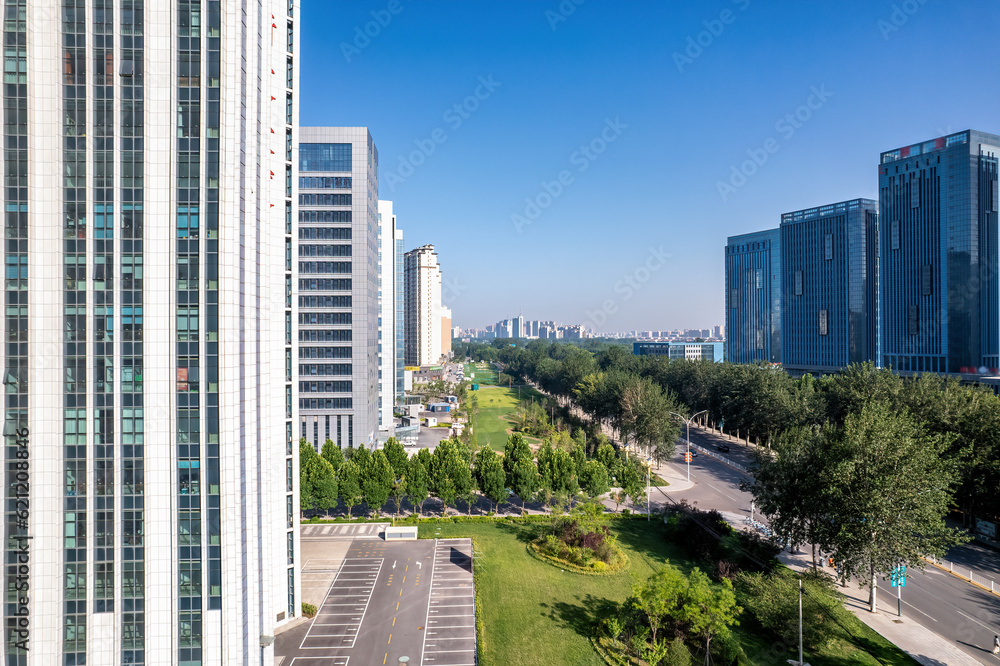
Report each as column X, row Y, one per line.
column 829, row 276
column 938, row 254
column 753, row 297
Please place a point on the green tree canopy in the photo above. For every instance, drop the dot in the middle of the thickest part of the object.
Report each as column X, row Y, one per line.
column 490, row 476
column 350, row 485
column 377, row 479
column 417, row 483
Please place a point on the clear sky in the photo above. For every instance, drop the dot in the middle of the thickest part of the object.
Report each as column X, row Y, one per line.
column 578, row 179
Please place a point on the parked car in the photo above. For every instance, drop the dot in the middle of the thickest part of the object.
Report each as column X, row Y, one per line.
column 724, row 448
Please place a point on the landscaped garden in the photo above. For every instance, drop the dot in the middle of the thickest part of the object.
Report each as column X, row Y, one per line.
column 534, row 611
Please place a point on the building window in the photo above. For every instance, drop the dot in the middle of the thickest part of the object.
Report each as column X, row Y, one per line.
column 912, row 320
column 798, row 283
column 324, row 157
column 824, row 327
column 894, row 234
column 926, row 282
column 828, row 247
column 760, row 338
column 732, row 298
column 758, row 278
column 915, row 193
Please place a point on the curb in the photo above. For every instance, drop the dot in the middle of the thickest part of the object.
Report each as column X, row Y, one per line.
column 961, row 577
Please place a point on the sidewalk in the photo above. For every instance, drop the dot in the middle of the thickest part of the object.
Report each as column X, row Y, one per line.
column 919, row 642
column 675, row 477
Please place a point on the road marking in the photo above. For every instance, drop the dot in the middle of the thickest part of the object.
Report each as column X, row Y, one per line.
column 389, row 642
column 980, row 623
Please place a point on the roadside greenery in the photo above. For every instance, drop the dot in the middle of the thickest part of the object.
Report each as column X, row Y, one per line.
column 864, row 464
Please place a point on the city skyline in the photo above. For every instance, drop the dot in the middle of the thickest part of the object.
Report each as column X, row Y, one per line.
column 657, row 182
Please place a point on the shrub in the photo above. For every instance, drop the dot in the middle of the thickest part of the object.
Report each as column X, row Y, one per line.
column 773, row 599
column 599, row 566
column 308, row 610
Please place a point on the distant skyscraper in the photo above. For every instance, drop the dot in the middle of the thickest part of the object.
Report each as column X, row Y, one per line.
column 400, row 316
column 387, row 314
column 753, row 297
column 939, row 254
column 151, row 511
column 338, row 285
column 422, row 285
column 829, row 313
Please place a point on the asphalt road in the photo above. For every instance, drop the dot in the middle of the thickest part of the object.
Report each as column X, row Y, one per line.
column 964, row 614
column 379, row 607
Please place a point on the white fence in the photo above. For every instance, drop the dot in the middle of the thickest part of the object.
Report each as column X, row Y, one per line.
column 968, row 574
column 716, row 455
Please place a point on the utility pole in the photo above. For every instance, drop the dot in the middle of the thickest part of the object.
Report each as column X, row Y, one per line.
column 800, row 622
column 687, row 456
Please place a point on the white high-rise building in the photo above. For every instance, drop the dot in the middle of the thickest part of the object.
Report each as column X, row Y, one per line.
column 387, row 314
column 423, row 306
column 150, row 192
column 338, row 262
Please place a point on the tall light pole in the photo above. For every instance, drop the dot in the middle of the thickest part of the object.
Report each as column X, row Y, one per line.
column 687, row 458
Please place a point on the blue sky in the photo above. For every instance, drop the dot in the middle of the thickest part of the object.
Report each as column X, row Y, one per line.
column 579, row 178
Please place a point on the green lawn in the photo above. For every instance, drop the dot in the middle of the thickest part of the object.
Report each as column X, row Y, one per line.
column 534, row 613
column 492, row 428
column 481, row 373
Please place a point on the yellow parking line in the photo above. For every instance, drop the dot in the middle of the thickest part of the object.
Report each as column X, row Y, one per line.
column 390, row 639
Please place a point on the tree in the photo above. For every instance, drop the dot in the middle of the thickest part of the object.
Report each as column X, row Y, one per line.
column 323, row 482
column 789, row 486
column 524, row 480
column 333, row 455
column 417, row 483
column 708, row 610
column 889, row 492
column 490, row 475
column 631, row 482
column 660, row 597
column 360, row 456
column 464, row 481
column 516, row 450
column 594, row 478
column 350, row 485
column 397, row 456
column 307, row 496
column 377, row 479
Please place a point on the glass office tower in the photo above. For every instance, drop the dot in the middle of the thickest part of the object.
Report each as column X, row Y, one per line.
column 149, row 467
column 753, row 297
column 829, row 311
column 939, row 252
column 338, row 261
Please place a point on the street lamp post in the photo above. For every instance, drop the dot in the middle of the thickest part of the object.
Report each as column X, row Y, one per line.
column 687, row 458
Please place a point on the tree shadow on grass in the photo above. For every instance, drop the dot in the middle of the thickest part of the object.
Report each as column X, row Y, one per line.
column 523, row 532
column 583, row 618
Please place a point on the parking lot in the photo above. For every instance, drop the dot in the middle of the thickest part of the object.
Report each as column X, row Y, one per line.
column 450, row 639
column 386, row 601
